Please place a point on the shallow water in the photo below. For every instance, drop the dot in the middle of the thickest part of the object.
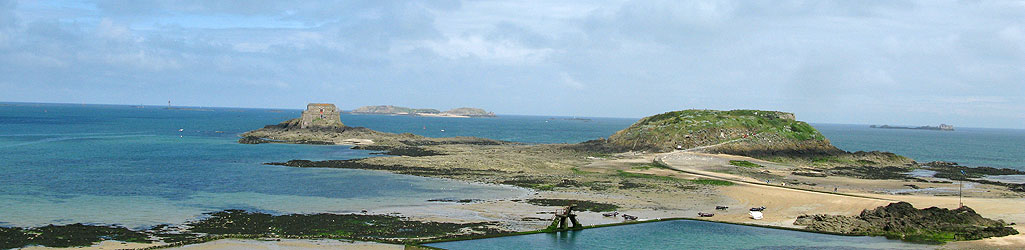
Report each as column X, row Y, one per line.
column 681, row 234
column 65, row 164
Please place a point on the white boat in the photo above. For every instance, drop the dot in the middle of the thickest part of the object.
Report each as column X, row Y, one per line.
column 756, row 215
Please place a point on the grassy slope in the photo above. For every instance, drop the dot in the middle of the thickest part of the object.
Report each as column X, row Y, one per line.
column 694, row 128
column 769, row 135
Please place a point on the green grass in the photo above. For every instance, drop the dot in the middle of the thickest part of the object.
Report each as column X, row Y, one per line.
column 544, row 187
column 711, row 182
column 673, row 129
column 745, row 164
column 625, row 174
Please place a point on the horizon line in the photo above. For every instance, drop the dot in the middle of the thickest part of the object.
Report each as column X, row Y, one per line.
column 575, row 116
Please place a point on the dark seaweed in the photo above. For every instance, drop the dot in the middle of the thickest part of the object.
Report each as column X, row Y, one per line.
column 582, row 205
column 401, row 169
column 72, row 235
column 353, row 226
column 400, row 151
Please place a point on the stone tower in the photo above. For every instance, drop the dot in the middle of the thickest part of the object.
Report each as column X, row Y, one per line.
column 320, row 115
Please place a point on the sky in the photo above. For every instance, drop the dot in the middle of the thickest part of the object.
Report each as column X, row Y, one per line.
column 858, row 62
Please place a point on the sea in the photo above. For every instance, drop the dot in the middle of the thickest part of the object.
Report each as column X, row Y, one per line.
column 140, row 166
column 991, row 147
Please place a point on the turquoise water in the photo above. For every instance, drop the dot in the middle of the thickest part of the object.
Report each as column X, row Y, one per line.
column 109, row 164
column 680, row 234
column 132, row 166
column 1003, row 148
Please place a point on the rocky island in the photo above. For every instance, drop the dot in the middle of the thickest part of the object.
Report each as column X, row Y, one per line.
column 690, row 164
column 396, row 110
column 941, row 127
column 738, row 158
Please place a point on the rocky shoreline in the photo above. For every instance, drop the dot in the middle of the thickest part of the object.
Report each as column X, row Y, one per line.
column 246, row 224
column 902, row 221
column 564, row 167
column 607, row 175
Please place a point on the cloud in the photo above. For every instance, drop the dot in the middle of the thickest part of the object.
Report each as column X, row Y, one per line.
column 487, row 51
column 873, row 61
column 572, row 83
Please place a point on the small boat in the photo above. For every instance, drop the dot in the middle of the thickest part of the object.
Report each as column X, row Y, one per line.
column 721, row 207
column 756, row 215
column 181, row 129
column 758, row 209
column 705, row 214
column 629, row 217
column 612, row 214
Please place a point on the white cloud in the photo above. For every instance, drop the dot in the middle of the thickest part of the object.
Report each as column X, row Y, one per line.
column 809, row 57
column 572, row 83
column 488, row 51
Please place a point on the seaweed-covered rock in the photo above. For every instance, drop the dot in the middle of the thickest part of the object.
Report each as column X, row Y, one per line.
column 251, row 140
column 73, row 235
column 902, row 221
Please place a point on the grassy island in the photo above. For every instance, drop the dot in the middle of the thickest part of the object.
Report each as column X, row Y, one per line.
column 671, row 165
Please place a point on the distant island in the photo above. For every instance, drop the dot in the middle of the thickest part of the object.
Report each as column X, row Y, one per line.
column 942, row 127
column 396, row 110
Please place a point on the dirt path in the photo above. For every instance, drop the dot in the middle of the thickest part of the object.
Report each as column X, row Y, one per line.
column 784, row 204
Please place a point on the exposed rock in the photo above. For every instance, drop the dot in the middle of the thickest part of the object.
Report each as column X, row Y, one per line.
column 291, row 131
column 953, row 171
column 252, row 140
column 901, row 220
column 400, row 151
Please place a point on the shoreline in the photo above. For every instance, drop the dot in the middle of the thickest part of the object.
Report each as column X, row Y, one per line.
column 657, row 158
column 656, row 186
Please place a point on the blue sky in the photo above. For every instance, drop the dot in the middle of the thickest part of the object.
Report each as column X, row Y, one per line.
column 865, row 62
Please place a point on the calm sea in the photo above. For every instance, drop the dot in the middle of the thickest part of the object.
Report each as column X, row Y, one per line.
column 1003, row 148
column 142, row 166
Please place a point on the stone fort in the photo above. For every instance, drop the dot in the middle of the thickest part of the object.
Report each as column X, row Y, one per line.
column 320, row 115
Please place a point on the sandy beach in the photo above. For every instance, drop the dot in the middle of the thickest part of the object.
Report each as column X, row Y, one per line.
column 657, row 198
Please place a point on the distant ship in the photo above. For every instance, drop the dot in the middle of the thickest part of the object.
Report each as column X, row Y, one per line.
column 942, row 127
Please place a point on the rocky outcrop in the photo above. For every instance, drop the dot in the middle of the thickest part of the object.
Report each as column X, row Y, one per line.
column 753, row 131
column 291, row 131
column 252, row 140
column 901, row 220
column 768, row 135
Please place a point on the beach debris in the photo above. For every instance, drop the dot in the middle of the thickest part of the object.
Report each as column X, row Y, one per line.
column 721, row 208
column 705, row 214
column 756, row 215
column 612, row 214
column 758, row 209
